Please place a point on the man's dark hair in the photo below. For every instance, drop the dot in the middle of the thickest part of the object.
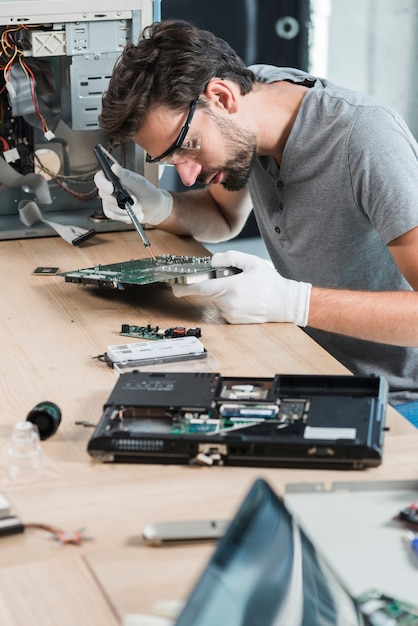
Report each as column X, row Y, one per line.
column 171, row 64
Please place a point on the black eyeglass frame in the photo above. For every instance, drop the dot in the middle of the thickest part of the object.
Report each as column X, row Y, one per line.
column 180, row 139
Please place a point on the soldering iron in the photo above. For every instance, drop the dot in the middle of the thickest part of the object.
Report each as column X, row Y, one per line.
column 122, row 195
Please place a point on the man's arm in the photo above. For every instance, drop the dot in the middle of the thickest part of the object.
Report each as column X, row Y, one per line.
column 211, row 214
column 260, row 294
column 385, row 317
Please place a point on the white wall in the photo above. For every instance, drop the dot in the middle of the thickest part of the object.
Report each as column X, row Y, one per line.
column 371, row 46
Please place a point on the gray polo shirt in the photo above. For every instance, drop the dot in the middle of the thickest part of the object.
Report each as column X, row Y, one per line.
column 347, row 186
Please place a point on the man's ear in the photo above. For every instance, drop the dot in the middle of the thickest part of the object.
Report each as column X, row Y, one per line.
column 223, row 93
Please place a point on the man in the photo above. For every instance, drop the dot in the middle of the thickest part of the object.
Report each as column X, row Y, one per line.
column 332, row 177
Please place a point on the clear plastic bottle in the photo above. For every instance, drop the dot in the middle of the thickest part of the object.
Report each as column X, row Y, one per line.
column 25, row 460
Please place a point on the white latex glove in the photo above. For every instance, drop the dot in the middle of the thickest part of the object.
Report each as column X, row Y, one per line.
column 258, row 294
column 151, row 205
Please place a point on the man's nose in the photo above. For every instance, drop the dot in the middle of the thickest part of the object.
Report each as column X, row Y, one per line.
column 188, row 172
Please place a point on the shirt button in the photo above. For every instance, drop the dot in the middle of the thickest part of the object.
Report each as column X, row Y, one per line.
column 278, row 230
column 280, row 183
column 281, row 206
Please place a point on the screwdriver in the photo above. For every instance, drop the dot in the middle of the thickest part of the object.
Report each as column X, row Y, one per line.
column 122, row 195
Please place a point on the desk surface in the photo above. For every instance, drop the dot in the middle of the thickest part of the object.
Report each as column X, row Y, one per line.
column 51, row 331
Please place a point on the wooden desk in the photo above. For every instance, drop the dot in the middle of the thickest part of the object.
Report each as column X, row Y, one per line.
column 51, row 332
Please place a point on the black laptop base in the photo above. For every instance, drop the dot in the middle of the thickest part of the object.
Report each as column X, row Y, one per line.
column 286, row 421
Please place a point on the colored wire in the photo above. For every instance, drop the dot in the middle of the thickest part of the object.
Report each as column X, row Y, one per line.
column 11, row 51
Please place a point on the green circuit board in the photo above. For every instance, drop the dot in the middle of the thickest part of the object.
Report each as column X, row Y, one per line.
column 166, row 268
column 386, row 610
column 155, row 332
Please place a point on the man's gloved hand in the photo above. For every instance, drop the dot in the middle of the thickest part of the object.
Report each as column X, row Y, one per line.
column 257, row 294
column 151, row 205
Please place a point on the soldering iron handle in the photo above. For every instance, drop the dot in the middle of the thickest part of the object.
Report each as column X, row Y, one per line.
column 122, row 195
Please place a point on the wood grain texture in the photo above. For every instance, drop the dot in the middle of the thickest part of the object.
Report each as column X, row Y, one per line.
column 51, row 333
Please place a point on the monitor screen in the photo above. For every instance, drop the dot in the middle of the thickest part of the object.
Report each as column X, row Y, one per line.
column 266, row 571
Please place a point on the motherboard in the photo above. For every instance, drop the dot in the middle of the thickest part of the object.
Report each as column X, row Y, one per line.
column 166, row 268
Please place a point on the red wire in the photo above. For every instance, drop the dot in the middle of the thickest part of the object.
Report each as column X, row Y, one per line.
column 35, row 104
column 5, row 144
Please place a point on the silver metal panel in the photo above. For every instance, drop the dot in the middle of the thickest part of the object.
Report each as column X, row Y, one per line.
column 95, row 37
column 52, row 11
column 89, row 78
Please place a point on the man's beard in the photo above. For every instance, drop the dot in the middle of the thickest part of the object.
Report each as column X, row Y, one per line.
column 237, row 169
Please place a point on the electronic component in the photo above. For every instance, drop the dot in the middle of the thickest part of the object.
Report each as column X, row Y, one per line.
column 249, row 391
column 64, row 537
column 284, row 421
column 155, row 352
column 160, row 533
column 9, row 523
column 385, row 610
column 293, row 409
column 10, row 526
column 408, row 516
column 83, row 237
column 245, row 412
column 166, row 268
column 46, row 271
column 155, row 332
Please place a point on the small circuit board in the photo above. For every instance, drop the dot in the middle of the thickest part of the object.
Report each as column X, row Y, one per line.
column 155, row 332
column 166, row 268
column 387, row 611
